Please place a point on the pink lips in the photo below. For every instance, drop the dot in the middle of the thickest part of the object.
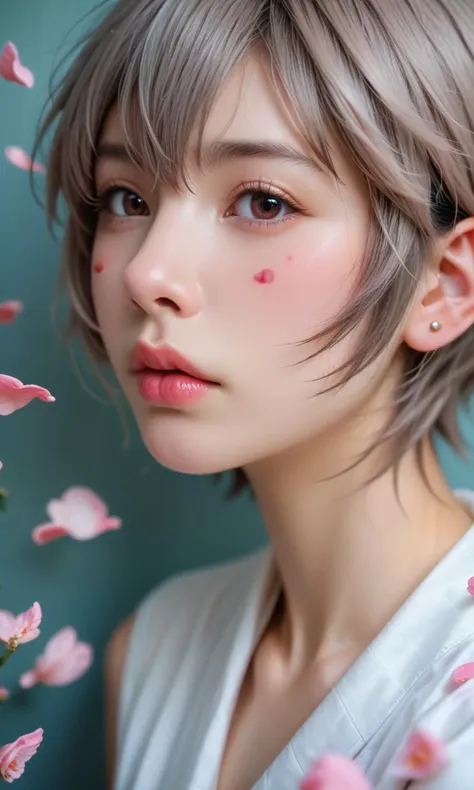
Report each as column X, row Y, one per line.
column 166, row 378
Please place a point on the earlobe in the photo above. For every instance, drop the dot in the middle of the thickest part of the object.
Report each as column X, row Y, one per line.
column 443, row 308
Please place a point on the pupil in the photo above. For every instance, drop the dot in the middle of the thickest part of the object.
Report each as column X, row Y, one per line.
column 134, row 202
column 268, row 205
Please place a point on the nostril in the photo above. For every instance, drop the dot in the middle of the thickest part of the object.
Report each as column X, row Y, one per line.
column 164, row 301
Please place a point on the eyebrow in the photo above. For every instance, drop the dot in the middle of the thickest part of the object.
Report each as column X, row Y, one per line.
column 220, row 152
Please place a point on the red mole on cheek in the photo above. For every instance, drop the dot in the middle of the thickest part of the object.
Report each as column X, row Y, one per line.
column 265, row 276
column 289, row 258
column 98, row 267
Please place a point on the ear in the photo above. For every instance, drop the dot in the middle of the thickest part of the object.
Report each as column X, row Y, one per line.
column 445, row 293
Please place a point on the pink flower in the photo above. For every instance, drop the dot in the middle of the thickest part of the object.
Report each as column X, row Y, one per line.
column 64, row 660
column 425, row 756
column 11, row 69
column 4, row 693
column 463, row 673
column 335, row 772
column 19, row 630
column 9, row 311
column 470, row 585
column 14, row 395
column 14, row 755
column 18, row 157
column 79, row 513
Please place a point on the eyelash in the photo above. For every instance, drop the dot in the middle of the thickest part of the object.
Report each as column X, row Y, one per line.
column 249, row 188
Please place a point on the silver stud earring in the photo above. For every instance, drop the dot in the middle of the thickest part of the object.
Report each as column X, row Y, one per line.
column 435, row 326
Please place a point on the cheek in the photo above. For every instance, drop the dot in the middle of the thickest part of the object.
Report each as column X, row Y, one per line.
column 295, row 290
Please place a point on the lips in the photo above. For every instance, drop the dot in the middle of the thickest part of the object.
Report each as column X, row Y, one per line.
column 164, row 358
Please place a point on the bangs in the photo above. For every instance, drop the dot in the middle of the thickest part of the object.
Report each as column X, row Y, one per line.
column 163, row 64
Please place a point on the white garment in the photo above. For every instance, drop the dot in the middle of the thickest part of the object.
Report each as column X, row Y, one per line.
column 192, row 642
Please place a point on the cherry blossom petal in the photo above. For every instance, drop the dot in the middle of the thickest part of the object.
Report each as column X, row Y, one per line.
column 45, row 533
column 13, row 756
column 424, row 756
column 470, row 585
column 14, row 394
column 23, row 628
column 28, row 679
column 4, row 693
column 64, row 661
column 335, row 772
column 11, row 68
column 79, row 511
column 18, row 157
column 463, row 673
column 7, row 625
column 9, row 311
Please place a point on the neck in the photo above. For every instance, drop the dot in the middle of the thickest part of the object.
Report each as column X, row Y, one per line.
column 348, row 554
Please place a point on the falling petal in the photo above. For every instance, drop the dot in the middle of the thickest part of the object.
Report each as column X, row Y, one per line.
column 14, row 394
column 18, row 157
column 463, row 673
column 11, row 68
column 335, row 772
column 79, row 513
column 9, row 311
column 64, row 661
column 425, row 756
column 470, row 585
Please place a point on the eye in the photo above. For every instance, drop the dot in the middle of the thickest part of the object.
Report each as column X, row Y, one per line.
column 258, row 205
column 123, row 202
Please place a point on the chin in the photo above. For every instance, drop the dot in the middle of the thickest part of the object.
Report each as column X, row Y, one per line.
column 185, row 454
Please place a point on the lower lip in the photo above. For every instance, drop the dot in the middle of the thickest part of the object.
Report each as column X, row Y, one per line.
column 172, row 388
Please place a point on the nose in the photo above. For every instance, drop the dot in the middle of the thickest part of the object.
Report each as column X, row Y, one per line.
column 164, row 273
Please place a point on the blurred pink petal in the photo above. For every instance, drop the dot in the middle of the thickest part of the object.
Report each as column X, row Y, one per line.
column 14, row 395
column 335, row 772
column 64, row 661
column 470, row 585
column 9, row 311
column 18, row 157
column 13, row 756
column 463, row 673
column 79, row 513
column 21, row 629
column 11, row 68
column 4, row 693
column 425, row 756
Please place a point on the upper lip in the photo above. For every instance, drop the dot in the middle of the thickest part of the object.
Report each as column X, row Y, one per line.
column 163, row 357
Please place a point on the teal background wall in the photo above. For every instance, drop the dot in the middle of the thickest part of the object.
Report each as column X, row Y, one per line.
column 170, row 522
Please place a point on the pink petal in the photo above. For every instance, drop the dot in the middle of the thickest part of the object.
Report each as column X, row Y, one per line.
column 63, row 661
column 4, row 693
column 335, row 772
column 425, row 756
column 470, row 585
column 18, row 157
column 45, row 533
column 463, row 673
column 7, row 625
column 13, row 756
column 28, row 679
column 27, row 624
column 82, row 513
column 14, row 394
column 11, row 69
column 72, row 668
column 9, row 311
column 60, row 645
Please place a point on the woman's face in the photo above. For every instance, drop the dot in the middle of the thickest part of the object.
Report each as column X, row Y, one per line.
column 259, row 255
